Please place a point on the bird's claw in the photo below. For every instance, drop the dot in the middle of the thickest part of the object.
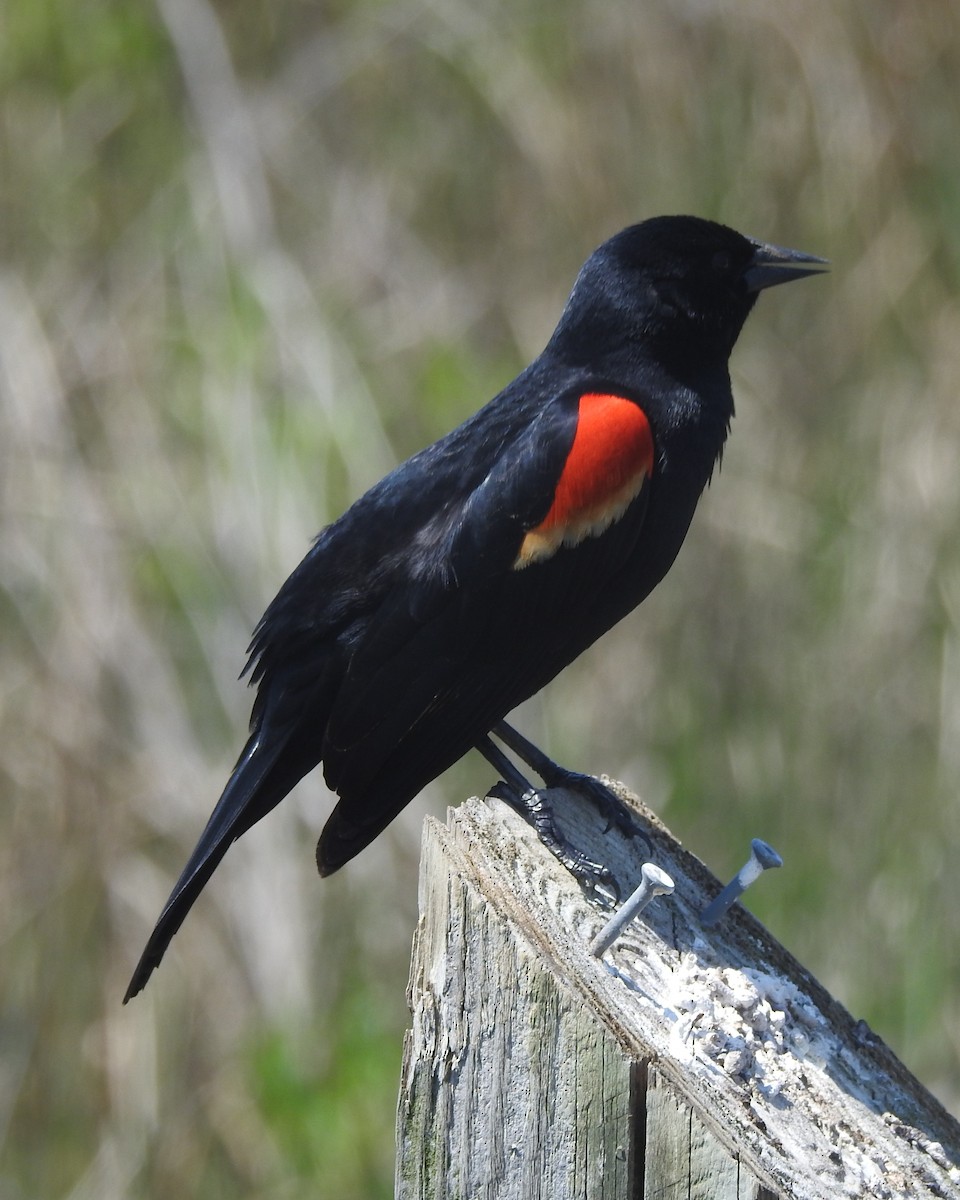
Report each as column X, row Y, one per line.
column 617, row 815
column 597, row 881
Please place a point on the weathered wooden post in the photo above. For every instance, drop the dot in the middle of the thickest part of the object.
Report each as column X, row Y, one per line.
column 686, row 1064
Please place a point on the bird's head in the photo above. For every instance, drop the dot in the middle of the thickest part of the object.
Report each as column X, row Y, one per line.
column 673, row 287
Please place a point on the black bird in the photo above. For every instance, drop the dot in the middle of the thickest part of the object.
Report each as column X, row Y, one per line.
column 472, row 574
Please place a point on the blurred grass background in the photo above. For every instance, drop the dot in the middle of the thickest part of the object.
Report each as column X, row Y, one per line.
column 252, row 255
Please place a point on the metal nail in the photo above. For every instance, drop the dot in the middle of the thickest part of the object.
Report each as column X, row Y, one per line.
column 762, row 858
column 653, row 882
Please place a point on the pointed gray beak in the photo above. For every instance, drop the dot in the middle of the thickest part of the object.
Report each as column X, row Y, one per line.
column 776, row 264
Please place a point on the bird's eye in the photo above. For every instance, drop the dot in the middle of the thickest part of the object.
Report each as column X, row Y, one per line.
column 721, row 261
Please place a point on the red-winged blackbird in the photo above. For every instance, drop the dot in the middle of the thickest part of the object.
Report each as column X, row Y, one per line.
column 467, row 578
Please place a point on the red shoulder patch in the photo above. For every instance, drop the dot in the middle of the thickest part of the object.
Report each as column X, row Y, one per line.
column 609, row 461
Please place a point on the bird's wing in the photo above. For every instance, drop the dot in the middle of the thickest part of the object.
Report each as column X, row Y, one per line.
column 573, row 475
column 489, row 611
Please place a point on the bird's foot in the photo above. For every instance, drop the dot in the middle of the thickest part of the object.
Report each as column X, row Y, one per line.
column 596, row 880
column 613, row 810
column 608, row 803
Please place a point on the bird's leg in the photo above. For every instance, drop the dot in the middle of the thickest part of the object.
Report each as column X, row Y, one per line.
column 520, row 794
column 609, row 805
